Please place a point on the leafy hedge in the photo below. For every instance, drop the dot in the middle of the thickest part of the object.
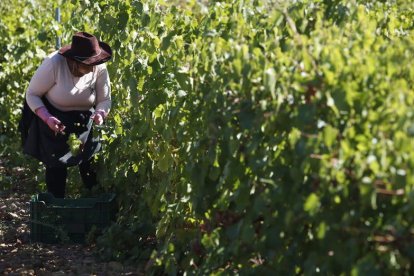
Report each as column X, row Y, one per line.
column 247, row 136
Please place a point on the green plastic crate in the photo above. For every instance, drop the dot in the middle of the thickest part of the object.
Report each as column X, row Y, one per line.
column 55, row 220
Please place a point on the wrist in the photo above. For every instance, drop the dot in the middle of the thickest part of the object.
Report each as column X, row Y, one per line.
column 101, row 112
column 43, row 114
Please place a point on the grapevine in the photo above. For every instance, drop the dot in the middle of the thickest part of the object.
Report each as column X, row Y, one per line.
column 245, row 136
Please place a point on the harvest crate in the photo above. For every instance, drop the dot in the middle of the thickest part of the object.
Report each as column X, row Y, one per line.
column 54, row 220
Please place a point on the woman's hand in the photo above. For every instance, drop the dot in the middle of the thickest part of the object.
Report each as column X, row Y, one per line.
column 53, row 123
column 99, row 116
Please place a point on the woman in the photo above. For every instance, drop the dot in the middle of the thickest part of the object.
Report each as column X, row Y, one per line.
column 69, row 92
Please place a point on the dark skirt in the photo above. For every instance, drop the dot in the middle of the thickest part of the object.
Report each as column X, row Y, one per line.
column 51, row 148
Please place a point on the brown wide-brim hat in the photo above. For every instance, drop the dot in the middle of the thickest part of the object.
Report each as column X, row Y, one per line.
column 87, row 49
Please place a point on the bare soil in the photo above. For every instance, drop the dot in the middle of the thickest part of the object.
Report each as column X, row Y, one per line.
column 18, row 256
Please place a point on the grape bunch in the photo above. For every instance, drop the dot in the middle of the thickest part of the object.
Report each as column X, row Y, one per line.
column 74, row 144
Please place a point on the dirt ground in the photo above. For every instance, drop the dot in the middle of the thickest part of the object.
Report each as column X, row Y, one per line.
column 18, row 256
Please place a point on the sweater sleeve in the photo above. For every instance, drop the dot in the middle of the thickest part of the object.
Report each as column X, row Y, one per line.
column 40, row 84
column 103, row 90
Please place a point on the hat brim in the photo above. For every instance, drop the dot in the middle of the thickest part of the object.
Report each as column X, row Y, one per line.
column 104, row 56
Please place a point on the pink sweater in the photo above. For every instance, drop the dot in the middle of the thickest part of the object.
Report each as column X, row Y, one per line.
column 65, row 91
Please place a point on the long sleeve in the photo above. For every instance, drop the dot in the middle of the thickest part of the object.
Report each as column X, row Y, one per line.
column 66, row 92
column 40, row 84
column 103, row 90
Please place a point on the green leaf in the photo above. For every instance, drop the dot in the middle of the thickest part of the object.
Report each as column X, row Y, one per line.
column 270, row 82
column 312, row 204
column 330, row 135
column 322, row 230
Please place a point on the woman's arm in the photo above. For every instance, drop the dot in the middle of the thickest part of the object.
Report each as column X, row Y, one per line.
column 40, row 84
column 103, row 95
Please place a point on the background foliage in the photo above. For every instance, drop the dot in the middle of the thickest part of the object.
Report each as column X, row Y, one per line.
column 245, row 136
